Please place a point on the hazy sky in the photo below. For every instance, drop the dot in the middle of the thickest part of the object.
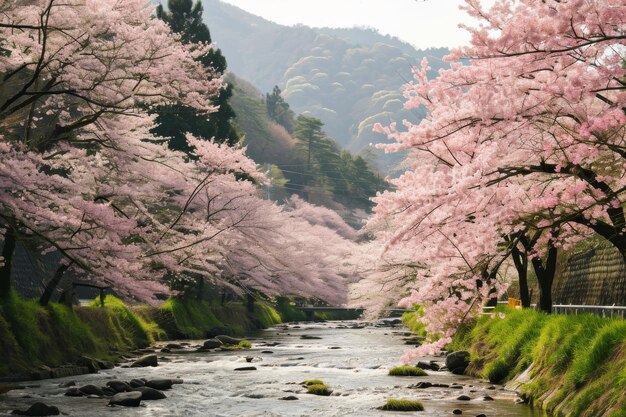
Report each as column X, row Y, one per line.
column 429, row 23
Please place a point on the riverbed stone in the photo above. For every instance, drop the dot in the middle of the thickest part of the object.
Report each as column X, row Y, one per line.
column 429, row 366
column 487, row 398
column 126, row 399
column 463, row 398
column 88, row 362
column 135, row 383
column 146, row 360
column 174, row 346
column 38, row 409
column 246, row 368
column 119, row 386
column 212, row 343
column 228, row 340
column 309, row 337
column 289, row 398
column 457, row 411
column 74, row 392
column 161, row 384
column 91, row 390
column 458, row 361
column 481, row 415
column 150, row 394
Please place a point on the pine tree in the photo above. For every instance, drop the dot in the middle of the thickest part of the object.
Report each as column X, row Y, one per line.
column 278, row 109
column 185, row 18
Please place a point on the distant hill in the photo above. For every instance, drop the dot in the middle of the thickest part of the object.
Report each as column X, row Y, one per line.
column 341, row 182
column 349, row 78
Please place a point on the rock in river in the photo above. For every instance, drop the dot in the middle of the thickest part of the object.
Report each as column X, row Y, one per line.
column 127, row 399
column 227, row 340
column 458, row 361
column 91, row 390
column 213, row 343
column 119, row 386
column 148, row 393
column 160, row 384
column 38, row 409
column 146, row 360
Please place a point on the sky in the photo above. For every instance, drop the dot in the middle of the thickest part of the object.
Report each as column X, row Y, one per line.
column 423, row 23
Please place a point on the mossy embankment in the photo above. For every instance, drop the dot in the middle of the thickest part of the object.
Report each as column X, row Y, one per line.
column 56, row 335
column 568, row 365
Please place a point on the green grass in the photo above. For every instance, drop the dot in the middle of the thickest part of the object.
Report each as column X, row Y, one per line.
column 244, row 344
column 195, row 319
column 393, row 404
column 581, row 355
column 308, row 382
column 412, row 321
column 406, row 370
column 319, row 389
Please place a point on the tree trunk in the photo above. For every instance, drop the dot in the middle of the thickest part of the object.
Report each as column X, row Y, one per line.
column 7, row 254
column 53, row 283
column 520, row 259
column 545, row 278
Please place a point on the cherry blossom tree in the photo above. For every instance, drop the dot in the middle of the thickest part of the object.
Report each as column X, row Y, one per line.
column 82, row 175
column 522, row 149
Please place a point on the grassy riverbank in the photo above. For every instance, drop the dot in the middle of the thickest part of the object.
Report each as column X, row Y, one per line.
column 33, row 336
column 569, row 365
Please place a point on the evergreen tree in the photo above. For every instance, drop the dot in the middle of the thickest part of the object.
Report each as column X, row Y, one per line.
column 278, row 109
column 185, row 18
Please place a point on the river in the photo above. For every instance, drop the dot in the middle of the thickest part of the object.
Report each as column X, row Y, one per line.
column 353, row 361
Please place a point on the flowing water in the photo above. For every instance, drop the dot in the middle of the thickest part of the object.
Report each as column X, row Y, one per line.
column 353, row 361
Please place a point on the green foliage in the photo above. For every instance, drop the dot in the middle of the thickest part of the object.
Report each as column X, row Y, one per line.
column 279, row 111
column 406, row 370
column 194, row 319
column 185, row 18
column 412, row 321
column 581, row 355
column 265, row 315
column 319, row 389
column 133, row 329
column 287, row 310
column 402, row 405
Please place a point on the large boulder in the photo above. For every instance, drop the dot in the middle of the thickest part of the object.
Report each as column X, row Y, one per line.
column 38, row 409
column 458, row 361
column 227, row 340
column 160, row 384
column 91, row 390
column 119, row 386
column 212, row 343
column 127, row 399
column 146, row 360
column 148, row 393
column 135, row 383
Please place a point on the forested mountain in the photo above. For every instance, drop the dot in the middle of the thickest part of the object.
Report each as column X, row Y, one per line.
column 300, row 157
column 348, row 78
